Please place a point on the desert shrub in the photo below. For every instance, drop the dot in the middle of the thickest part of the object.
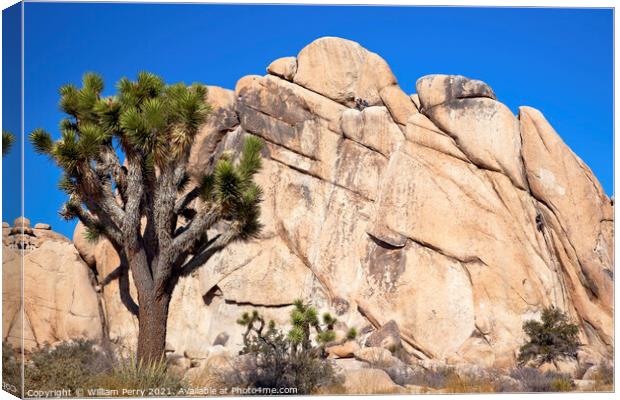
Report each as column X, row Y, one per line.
column 462, row 384
column 129, row 373
column 604, row 377
column 535, row 381
column 11, row 369
column 68, row 365
column 563, row 384
column 605, row 373
column 435, row 378
column 552, row 339
column 507, row 385
column 292, row 360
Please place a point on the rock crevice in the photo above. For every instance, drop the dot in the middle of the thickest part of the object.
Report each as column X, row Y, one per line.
column 423, row 209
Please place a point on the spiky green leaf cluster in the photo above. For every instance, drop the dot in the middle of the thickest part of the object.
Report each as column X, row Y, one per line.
column 326, row 337
column 147, row 116
column 7, row 142
column 296, row 335
column 304, row 318
column 247, row 318
column 94, row 233
column 232, row 188
column 303, row 313
column 69, row 210
column 351, row 333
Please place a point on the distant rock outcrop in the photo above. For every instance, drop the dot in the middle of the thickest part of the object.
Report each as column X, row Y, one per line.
column 59, row 303
column 441, row 211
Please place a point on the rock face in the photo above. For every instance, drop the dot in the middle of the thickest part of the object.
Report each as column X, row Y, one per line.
column 441, row 211
column 59, row 300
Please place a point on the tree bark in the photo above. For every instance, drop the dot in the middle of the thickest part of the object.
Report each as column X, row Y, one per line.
column 153, row 323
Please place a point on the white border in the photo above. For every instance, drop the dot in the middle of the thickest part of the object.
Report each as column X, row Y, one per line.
column 473, row 3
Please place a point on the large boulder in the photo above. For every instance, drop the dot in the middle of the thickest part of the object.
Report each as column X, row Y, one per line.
column 368, row 381
column 442, row 212
column 387, row 337
column 433, row 90
column 342, row 70
column 59, row 301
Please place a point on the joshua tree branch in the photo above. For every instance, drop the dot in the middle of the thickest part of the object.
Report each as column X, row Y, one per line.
column 184, row 200
column 98, row 221
column 207, row 216
column 204, row 254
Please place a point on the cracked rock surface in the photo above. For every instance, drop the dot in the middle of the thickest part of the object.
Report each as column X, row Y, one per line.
column 59, row 303
column 381, row 206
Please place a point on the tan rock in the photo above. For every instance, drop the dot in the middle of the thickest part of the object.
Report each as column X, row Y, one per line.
column 377, row 357
column 591, row 373
column 400, row 105
column 476, row 350
column 222, row 119
column 416, row 100
column 387, row 337
column 584, row 385
column 569, row 367
column 83, row 246
column 421, row 130
column 561, row 180
column 437, row 89
column 375, row 219
column 13, row 327
column 373, row 127
column 343, row 364
column 46, row 227
column 59, row 303
column 345, row 350
column 342, row 70
column 284, row 67
column 486, row 131
column 370, row 381
column 21, row 221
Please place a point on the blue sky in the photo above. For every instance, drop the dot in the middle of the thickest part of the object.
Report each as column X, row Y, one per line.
column 557, row 60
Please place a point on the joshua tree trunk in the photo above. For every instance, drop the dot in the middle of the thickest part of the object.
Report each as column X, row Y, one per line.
column 153, row 322
column 162, row 223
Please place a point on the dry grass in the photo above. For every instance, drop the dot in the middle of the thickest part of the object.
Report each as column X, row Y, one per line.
column 457, row 384
column 604, row 378
column 130, row 373
column 208, row 377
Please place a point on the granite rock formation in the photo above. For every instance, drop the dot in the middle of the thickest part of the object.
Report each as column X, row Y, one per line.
column 441, row 211
column 59, row 302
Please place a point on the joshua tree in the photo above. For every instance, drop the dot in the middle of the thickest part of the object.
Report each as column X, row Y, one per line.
column 144, row 206
column 552, row 339
column 7, row 142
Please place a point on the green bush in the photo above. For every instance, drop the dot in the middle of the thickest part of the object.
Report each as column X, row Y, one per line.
column 552, row 339
column 66, row 366
column 292, row 360
column 80, row 365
